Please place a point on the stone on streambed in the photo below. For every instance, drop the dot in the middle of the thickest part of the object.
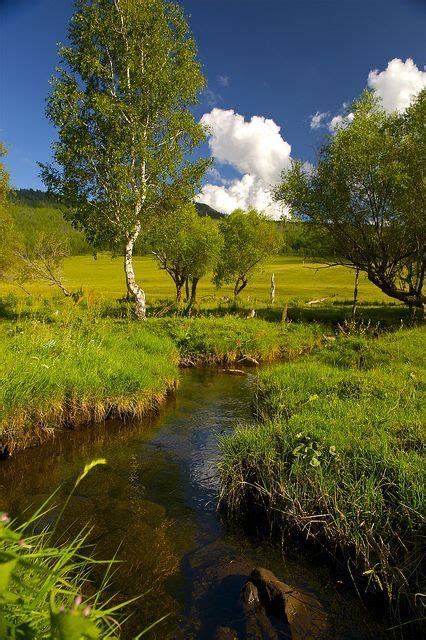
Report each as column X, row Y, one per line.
column 302, row 611
column 235, row 372
column 225, row 633
column 250, row 594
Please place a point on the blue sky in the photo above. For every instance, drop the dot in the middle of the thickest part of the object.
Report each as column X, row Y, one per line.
column 278, row 59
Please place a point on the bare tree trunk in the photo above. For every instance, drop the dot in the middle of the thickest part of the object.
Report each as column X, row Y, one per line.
column 239, row 287
column 272, row 290
column 178, row 285
column 193, row 297
column 355, row 300
column 187, row 289
column 194, row 284
column 132, row 286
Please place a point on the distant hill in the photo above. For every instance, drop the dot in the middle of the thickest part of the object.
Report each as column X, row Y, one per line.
column 38, row 198
column 32, row 198
column 206, row 210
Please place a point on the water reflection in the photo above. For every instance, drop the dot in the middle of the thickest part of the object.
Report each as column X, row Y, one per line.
column 155, row 501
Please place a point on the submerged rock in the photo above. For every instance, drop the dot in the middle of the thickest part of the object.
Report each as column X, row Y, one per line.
column 235, row 372
column 271, row 591
column 302, row 611
column 225, row 633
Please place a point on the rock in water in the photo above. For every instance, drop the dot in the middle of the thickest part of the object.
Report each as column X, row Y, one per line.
column 250, row 594
column 271, row 591
column 235, row 372
column 302, row 611
column 225, row 633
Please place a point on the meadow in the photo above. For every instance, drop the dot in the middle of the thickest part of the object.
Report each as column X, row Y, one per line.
column 295, row 281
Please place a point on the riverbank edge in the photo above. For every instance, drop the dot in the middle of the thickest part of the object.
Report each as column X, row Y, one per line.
column 195, row 343
column 251, row 492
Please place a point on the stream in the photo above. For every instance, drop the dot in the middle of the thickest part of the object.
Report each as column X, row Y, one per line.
column 155, row 502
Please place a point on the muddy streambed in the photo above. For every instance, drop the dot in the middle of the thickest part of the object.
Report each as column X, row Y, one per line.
column 155, row 502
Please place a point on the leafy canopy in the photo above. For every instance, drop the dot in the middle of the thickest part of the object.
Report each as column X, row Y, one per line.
column 368, row 193
column 185, row 244
column 248, row 239
column 121, row 104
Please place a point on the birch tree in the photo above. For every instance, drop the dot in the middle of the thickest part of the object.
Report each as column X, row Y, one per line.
column 121, row 104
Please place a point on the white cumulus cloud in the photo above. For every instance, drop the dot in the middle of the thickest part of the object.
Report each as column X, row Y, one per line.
column 397, row 84
column 317, row 119
column 244, row 193
column 256, row 149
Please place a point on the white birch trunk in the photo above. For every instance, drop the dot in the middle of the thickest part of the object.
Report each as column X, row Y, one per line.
column 132, row 286
column 272, row 290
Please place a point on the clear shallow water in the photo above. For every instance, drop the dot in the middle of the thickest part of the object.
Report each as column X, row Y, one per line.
column 155, row 502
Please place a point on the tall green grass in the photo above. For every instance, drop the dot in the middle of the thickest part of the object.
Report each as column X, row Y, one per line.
column 45, row 590
column 336, row 457
column 69, row 364
column 78, row 370
column 225, row 340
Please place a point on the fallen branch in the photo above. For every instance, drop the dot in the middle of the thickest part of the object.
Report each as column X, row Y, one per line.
column 321, row 299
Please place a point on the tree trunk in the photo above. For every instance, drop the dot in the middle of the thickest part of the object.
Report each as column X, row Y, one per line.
column 132, row 287
column 193, row 298
column 178, row 285
column 272, row 290
column 355, row 300
column 239, row 287
column 187, row 289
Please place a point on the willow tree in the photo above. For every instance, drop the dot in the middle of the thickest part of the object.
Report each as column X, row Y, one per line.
column 367, row 194
column 121, row 104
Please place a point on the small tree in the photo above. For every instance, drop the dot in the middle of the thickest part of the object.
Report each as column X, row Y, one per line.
column 249, row 238
column 367, row 193
column 121, row 106
column 186, row 247
column 43, row 262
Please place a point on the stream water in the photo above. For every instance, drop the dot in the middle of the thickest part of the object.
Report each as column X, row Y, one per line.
column 155, row 502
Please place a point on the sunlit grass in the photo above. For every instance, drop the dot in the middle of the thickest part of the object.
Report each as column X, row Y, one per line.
column 295, row 280
column 337, row 456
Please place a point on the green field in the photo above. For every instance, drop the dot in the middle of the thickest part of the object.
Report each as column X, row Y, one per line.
column 295, row 281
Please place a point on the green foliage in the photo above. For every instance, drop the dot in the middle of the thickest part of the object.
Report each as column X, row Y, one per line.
column 249, row 239
column 10, row 236
column 186, row 246
column 337, row 456
column 121, row 103
column 41, row 583
column 368, row 193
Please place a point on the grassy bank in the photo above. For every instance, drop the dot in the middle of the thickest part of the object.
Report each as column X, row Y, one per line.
column 68, row 373
column 337, row 457
column 68, row 366
column 225, row 340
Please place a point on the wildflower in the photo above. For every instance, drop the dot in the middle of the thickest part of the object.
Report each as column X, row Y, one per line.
column 4, row 517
